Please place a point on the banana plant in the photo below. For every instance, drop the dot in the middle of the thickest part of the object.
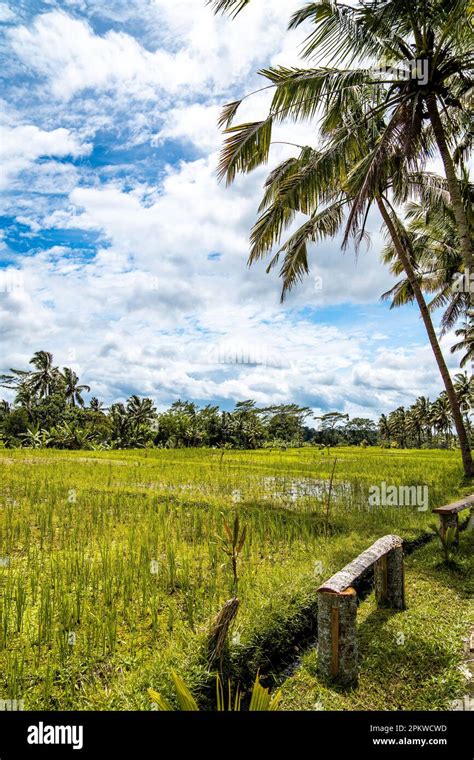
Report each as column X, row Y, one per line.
column 261, row 700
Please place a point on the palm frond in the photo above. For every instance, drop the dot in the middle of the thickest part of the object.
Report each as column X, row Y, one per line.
column 300, row 92
column 227, row 114
column 247, row 147
column 370, row 176
column 233, row 7
column 268, row 229
column 295, row 265
column 348, row 33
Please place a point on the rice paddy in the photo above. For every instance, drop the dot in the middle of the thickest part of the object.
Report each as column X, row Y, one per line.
column 111, row 570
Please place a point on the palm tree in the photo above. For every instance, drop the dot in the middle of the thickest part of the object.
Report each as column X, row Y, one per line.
column 441, row 416
column 141, row 410
column 464, row 387
column 46, row 378
column 96, row 405
column 466, row 333
column 5, row 409
column 321, row 180
column 26, row 398
column 428, row 46
column 397, row 421
column 72, row 390
column 384, row 429
column 365, row 154
column 435, row 252
column 120, row 424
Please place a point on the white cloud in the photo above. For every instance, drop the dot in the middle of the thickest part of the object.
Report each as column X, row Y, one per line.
column 209, row 51
column 22, row 145
column 6, row 13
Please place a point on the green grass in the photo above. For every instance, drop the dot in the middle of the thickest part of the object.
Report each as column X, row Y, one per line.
column 115, row 573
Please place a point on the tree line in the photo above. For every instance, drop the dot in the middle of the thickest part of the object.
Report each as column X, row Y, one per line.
column 49, row 411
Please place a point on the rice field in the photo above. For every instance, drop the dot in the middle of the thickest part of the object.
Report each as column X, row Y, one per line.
column 111, row 570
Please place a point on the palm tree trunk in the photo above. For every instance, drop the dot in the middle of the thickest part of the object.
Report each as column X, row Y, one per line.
column 462, row 221
column 426, row 316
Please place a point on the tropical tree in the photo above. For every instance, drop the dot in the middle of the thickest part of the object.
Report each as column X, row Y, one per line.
column 119, row 425
column 397, row 421
column 420, row 58
column 329, row 423
column 72, row 390
column 141, row 411
column 389, row 112
column 466, row 333
column 46, row 378
column 385, row 430
column 441, row 417
column 5, row 409
column 96, row 405
column 464, row 387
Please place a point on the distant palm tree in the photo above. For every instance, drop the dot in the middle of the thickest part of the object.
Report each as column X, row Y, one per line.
column 96, row 405
column 5, row 409
column 466, row 333
column 464, row 387
column 418, row 418
column 46, row 378
column 141, row 411
column 384, row 429
column 72, row 390
column 441, row 416
column 397, row 421
column 120, row 424
column 26, row 398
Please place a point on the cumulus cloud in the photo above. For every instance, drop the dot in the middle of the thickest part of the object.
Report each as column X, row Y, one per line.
column 22, row 145
column 163, row 303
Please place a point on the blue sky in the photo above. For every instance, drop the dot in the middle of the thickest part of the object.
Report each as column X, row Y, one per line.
column 128, row 259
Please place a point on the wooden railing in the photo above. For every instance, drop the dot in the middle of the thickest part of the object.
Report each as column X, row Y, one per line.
column 449, row 515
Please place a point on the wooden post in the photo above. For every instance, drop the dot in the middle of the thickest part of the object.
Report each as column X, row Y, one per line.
column 337, row 635
column 449, row 520
column 389, row 580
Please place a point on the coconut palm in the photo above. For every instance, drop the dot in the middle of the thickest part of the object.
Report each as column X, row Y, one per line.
column 384, row 429
column 441, row 416
column 466, row 333
column 5, row 409
column 436, row 255
column 26, row 398
column 418, row 61
column 120, row 424
column 464, row 387
column 46, row 378
column 72, row 390
column 96, row 405
column 374, row 132
column 140, row 410
column 418, row 419
column 318, row 184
